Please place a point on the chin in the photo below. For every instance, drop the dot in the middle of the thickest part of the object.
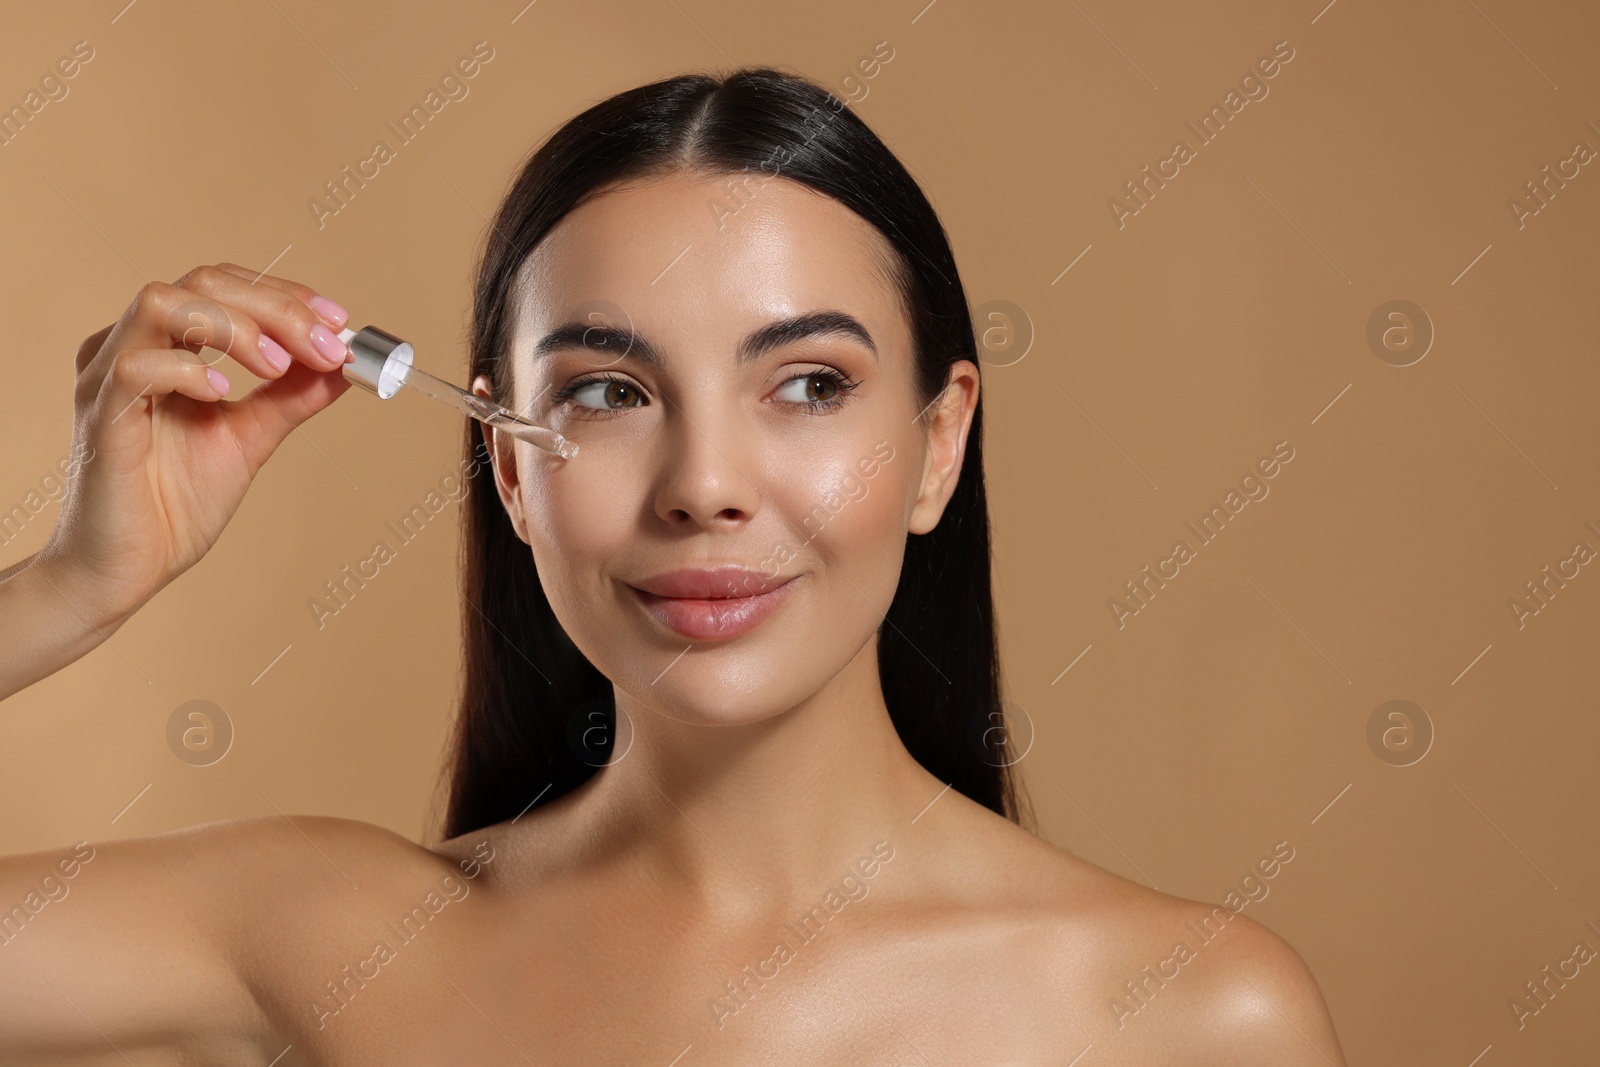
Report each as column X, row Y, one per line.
column 715, row 691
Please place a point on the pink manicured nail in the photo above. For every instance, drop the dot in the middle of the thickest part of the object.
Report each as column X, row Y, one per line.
column 332, row 349
column 217, row 380
column 273, row 353
column 330, row 311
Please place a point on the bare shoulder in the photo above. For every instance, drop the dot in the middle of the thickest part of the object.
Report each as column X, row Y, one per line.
column 234, row 863
column 266, row 883
column 1261, row 1003
column 1195, row 982
column 1150, row 976
column 313, row 850
column 181, row 933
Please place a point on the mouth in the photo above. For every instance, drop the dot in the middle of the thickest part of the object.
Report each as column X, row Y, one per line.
column 712, row 605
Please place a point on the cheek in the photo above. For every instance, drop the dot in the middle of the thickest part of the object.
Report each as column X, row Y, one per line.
column 848, row 508
column 835, row 510
column 576, row 517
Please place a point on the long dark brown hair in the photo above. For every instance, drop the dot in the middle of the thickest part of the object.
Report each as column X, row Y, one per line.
column 537, row 718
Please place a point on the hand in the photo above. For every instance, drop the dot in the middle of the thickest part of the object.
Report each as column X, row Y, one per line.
column 160, row 460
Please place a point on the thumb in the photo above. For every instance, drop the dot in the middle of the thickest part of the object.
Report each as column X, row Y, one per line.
column 272, row 410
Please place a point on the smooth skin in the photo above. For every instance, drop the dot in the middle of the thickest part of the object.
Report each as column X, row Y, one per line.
column 654, row 914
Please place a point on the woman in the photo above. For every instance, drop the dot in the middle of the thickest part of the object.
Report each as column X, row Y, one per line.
column 729, row 783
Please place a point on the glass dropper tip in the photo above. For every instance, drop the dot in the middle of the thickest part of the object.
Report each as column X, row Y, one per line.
column 383, row 364
column 524, row 430
column 548, row 440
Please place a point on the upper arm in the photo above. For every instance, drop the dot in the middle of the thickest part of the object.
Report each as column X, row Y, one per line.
column 156, row 942
column 116, row 946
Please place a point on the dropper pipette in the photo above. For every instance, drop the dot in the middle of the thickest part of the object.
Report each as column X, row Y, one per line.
column 383, row 364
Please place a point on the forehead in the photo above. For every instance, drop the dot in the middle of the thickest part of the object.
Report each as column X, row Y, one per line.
column 706, row 259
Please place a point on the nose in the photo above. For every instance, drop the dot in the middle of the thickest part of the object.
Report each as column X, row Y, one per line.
column 708, row 467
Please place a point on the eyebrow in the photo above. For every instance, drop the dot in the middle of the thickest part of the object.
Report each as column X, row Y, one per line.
column 775, row 334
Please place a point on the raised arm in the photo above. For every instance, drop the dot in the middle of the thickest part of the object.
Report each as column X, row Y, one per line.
column 38, row 629
column 159, row 460
column 110, row 948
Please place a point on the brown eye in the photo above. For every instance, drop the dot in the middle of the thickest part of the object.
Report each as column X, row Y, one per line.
column 620, row 395
column 606, row 394
column 821, row 388
column 809, row 389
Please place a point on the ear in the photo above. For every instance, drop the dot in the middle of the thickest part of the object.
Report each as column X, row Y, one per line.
column 946, row 423
column 503, row 458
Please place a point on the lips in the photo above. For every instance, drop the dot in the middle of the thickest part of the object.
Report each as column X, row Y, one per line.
column 712, row 605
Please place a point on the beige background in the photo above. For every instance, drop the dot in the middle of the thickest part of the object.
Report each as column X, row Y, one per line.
column 1228, row 315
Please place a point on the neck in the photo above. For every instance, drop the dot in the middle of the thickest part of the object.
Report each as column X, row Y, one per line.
column 752, row 816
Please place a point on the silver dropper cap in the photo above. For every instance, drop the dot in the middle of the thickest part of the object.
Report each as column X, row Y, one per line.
column 382, row 360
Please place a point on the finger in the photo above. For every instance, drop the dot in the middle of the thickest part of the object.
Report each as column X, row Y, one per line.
column 330, row 312
column 90, row 346
column 167, row 315
column 271, row 411
column 137, row 377
column 142, row 325
column 281, row 314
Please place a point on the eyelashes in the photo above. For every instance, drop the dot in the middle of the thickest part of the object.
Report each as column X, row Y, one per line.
column 612, row 387
column 840, row 384
column 566, row 393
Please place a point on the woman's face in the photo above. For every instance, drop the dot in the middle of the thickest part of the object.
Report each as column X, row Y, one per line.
column 705, row 443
